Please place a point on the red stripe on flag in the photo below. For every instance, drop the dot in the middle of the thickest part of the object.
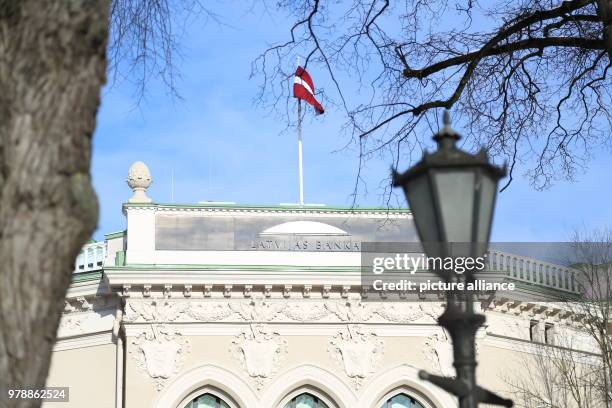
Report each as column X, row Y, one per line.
column 303, row 88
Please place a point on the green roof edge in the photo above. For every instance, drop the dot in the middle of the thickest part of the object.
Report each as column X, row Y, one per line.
column 113, row 235
column 304, row 208
column 86, row 276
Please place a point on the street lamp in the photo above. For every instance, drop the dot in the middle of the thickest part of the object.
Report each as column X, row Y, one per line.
column 451, row 194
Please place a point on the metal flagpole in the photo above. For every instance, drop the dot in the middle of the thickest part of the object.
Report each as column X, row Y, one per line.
column 301, row 169
column 299, row 132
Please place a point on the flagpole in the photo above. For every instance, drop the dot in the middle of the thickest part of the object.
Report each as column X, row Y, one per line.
column 299, row 132
column 300, row 164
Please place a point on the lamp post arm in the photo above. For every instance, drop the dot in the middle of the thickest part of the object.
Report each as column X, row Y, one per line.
column 451, row 385
column 488, row 397
column 460, row 389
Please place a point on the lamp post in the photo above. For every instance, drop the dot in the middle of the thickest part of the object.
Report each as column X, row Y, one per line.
column 452, row 197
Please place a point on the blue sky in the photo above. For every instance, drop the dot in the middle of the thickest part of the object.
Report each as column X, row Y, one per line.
column 223, row 148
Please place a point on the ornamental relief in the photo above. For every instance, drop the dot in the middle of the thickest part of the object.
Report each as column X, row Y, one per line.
column 357, row 352
column 352, row 311
column 306, row 311
column 266, row 310
column 157, row 310
column 257, row 310
column 83, row 304
column 75, row 323
column 259, row 350
column 209, row 311
column 160, row 353
column 438, row 351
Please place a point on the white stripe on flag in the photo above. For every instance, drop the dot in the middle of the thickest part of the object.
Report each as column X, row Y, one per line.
column 300, row 81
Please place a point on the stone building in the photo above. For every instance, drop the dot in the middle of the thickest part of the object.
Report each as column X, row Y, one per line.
column 225, row 305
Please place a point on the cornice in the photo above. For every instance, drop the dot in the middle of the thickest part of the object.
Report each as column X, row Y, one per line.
column 121, row 276
column 86, row 340
column 88, row 287
column 278, row 209
column 527, row 346
column 226, row 267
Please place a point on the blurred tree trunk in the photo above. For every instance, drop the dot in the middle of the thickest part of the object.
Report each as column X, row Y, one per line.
column 604, row 10
column 52, row 68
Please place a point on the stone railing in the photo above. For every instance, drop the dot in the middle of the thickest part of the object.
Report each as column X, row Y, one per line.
column 517, row 267
column 531, row 270
column 91, row 257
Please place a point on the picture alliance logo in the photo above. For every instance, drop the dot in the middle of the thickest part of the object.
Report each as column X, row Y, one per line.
column 411, row 264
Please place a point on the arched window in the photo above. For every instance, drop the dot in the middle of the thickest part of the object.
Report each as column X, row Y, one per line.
column 401, row 401
column 207, row 401
column 306, row 400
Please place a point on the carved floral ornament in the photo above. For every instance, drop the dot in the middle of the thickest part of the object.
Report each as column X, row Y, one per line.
column 267, row 310
column 160, row 352
column 86, row 315
column 83, row 304
column 357, row 352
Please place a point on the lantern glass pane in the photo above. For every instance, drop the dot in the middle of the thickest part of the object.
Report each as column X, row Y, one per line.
column 455, row 190
column 488, row 189
column 420, row 200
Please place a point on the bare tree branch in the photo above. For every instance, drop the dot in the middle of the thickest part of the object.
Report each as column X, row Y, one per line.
column 528, row 79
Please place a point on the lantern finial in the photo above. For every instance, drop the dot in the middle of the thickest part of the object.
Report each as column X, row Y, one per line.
column 446, row 119
column 446, row 137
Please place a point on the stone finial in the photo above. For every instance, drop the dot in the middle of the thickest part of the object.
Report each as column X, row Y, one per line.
column 139, row 179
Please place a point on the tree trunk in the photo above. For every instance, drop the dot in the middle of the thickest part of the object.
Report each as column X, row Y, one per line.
column 52, row 68
column 604, row 10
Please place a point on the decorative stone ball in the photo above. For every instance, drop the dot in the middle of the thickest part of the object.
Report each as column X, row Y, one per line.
column 139, row 176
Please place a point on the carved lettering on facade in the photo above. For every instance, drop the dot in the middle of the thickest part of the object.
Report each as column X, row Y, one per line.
column 305, row 245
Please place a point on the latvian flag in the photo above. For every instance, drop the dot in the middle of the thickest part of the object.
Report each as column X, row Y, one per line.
column 303, row 88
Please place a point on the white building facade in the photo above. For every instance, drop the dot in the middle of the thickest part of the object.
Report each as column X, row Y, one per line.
column 225, row 305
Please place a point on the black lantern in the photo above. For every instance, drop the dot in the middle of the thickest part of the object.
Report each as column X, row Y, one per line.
column 452, row 195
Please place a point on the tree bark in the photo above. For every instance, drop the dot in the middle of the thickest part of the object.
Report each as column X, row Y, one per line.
column 604, row 10
column 52, row 68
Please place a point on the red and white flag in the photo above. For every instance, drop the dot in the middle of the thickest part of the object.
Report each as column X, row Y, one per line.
column 303, row 88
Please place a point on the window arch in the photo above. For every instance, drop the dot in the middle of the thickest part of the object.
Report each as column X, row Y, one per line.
column 208, row 397
column 306, row 400
column 307, row 396
column 208, row 400
column 401, row 401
